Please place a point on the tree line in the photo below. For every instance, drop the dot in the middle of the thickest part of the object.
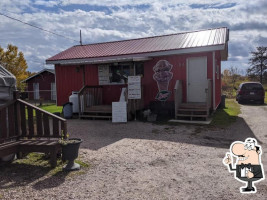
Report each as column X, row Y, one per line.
column 257, row 71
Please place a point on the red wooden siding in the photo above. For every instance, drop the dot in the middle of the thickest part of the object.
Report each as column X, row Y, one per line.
column 70, row 78
column 111, row 93
column 44, row 79
column 179, row 73
column 91, row 75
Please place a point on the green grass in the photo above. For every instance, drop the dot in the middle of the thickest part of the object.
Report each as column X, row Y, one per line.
column 265, row 88
column 39, row 162
column 228, row 115
column 51, row 108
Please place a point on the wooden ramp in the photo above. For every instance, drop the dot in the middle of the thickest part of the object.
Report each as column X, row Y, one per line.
column 97, row 112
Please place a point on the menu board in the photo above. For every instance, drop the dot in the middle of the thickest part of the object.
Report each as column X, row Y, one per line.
column 119, row 112
column 103, row 74
column 134, row 87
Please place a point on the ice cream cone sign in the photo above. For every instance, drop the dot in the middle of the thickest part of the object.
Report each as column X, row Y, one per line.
column 163, row 76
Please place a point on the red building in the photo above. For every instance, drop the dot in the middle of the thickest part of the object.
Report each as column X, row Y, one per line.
column 42, row 85
column 176, row 69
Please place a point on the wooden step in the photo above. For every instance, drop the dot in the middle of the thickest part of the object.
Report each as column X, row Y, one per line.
column 96, row 116
column 181, row 111
column 193, row 105
column 189, row 115
column 98, row 111
column 192, row 109
column 99, row 108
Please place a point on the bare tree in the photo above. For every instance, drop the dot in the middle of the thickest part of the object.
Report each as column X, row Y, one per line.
column 234, row 73
column 258, row 63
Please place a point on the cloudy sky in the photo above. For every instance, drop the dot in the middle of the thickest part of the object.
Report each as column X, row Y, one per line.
column 109, row 20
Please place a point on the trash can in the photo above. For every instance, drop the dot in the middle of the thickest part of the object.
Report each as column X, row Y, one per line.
column 222, row 104
column 67, row 110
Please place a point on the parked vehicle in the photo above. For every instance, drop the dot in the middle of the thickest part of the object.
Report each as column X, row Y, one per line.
column 250, row 92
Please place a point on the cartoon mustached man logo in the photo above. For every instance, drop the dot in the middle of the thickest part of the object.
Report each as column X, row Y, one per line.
column 248, row 167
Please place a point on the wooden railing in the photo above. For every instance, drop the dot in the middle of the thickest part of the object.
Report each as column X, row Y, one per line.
column 208, row 95
column 44, row 124
column 21, row 119
column 9, row 121
column 90, row 96
column 178, row 95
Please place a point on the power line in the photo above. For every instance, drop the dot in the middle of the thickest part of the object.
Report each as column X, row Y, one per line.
column 38, row 27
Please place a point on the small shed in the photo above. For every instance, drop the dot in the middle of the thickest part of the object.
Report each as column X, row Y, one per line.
column 7, row 85
column 180, row 73
column 41, row 85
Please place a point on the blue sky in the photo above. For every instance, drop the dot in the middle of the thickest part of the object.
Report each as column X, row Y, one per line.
column 109, row 20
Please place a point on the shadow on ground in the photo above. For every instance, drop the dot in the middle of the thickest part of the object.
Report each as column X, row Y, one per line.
column 20, row 174
column 97, row 134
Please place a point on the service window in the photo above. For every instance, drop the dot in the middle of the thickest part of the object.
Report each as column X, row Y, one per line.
column 139, row 69
column 117, row 73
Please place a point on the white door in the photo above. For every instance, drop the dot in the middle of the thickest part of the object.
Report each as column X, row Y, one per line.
column 196, row 79
column 53, row 91
column 36, row 91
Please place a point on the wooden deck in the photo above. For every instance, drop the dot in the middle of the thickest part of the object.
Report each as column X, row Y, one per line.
column 99, row 108
column 90, row 100
column 98, row 111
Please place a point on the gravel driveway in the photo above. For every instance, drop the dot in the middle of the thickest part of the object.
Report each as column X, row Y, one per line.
column 146, row 161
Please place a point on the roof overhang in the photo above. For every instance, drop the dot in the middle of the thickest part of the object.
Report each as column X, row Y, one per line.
column 142, row 56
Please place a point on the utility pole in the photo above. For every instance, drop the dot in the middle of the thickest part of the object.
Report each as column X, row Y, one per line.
column 81, row 37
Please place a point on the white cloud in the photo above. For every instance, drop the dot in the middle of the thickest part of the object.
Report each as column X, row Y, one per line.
column 128, row 19
column 46, row 3
column 14, row 6
column 140, row 2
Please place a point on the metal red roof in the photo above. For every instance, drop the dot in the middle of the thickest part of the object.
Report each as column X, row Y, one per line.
column 203, row 38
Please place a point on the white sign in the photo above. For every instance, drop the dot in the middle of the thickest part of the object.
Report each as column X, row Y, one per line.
column 119, row 112
column 134, row 87
column 103, row 74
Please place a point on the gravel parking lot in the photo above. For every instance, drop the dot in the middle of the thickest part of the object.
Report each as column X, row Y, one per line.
column 146, row 161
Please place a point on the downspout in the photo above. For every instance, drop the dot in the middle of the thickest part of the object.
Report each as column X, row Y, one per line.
column 213, row 82
column 56, row 83
column 134, row 69
column 83, row 68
